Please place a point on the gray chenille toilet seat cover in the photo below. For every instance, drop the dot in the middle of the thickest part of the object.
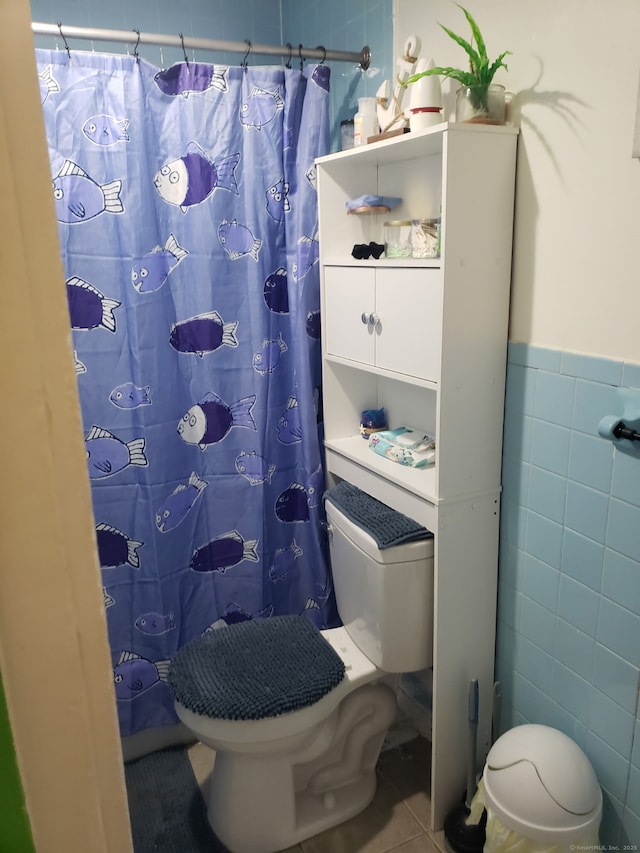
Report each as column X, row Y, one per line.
column 255, row 669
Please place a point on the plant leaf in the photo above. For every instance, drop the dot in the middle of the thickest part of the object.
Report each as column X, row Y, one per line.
column 473, row 56
column 477, row 35
column 467, row 78
column 498, row 63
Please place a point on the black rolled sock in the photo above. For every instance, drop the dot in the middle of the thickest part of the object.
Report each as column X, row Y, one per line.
column 361, row 251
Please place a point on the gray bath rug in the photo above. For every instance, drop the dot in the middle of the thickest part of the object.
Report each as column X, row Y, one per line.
column 167, row 811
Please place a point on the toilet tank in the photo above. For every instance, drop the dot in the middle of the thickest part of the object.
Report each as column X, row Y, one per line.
column 384, row 597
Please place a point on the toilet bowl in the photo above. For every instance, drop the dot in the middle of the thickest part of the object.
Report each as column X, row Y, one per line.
column 297, row 716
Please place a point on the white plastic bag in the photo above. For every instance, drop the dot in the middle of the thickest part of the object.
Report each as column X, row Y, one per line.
column 501, row 839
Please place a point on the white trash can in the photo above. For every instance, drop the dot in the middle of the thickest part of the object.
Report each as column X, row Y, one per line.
column 540, row 793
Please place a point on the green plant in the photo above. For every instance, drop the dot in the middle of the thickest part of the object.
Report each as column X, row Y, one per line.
column 481, row 72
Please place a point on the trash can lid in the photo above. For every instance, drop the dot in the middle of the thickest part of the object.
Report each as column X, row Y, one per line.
column 540, row 783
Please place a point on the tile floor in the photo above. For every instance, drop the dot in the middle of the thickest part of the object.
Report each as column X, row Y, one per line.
column 397, row 820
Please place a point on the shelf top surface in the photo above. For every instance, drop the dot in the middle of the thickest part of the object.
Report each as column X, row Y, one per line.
column 413, row 144
column 420, row 483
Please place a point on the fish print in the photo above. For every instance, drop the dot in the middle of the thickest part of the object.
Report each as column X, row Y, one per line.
column 313, row 325
column 260, row 108
column 78, row 366
column 150, row 272
column 312, row 612
column 107, row 600
column 307, row 254
column 134, row 675
column 312, row 176
column 203, row 333
column 233, row 614
column 223, row 552
column 293, row 504
column 155, row 624
column 278, row 200
column 268, row 356
column 211, row 419
column 115, row 548
column 254, row 468
column 106, row 130
column 283, row 561
column 108, row 455
column 177, row 505
column 289, row 430
column 48, row 84
column 276, row 292
column 238, row 240
column 320, row 76
column 315, row 487
column 129, row 396
column 192, row 178
column 78, row 198
column 188, row 78
column 88, row 308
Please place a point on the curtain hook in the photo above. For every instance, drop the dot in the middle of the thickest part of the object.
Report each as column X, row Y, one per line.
column 288, row 62
column 324, row 50
column 62, row 36
column 186, row 58
column 135, row 49
column 300, row 46
column 244, row 61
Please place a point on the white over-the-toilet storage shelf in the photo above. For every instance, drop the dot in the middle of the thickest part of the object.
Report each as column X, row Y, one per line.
column 435, row 358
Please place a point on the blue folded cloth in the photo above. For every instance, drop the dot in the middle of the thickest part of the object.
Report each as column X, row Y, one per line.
column 405, row 445
column 373, row 201
column 386, row 526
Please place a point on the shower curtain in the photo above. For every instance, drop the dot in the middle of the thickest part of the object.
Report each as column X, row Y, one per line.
column 186, row 204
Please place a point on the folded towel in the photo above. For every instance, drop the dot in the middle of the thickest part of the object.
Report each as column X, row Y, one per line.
column 386, row 526
column 373, row 201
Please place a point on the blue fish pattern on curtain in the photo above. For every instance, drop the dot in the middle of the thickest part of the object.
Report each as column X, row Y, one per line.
column 187, row 208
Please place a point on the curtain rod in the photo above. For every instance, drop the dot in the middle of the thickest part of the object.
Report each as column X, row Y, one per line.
column 363, row 58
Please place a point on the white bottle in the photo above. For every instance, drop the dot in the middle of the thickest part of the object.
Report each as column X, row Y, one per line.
column 365, row 121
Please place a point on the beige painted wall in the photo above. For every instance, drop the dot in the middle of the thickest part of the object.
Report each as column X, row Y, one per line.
column 54, row 654
column 574, row 73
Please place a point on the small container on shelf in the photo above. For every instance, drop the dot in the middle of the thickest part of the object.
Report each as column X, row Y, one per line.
column 372, row 420
column 425, row 238
column 346, row 134
column 397, row 238
column 365, row 121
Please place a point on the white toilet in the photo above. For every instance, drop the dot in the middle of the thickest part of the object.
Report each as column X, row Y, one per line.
column 282, row 775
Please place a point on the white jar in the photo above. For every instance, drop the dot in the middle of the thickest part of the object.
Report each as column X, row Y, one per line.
column 365, row 121
column 397, row 238
column 425, row 238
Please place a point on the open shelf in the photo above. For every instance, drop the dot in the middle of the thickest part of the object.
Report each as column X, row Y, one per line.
column 408, row 490
column 400, row 263
column 410, row 145
column 405, row 378
column 420, row 481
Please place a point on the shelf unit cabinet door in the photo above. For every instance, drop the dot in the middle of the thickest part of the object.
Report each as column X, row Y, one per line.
column 349, row 293
column 409, row 330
